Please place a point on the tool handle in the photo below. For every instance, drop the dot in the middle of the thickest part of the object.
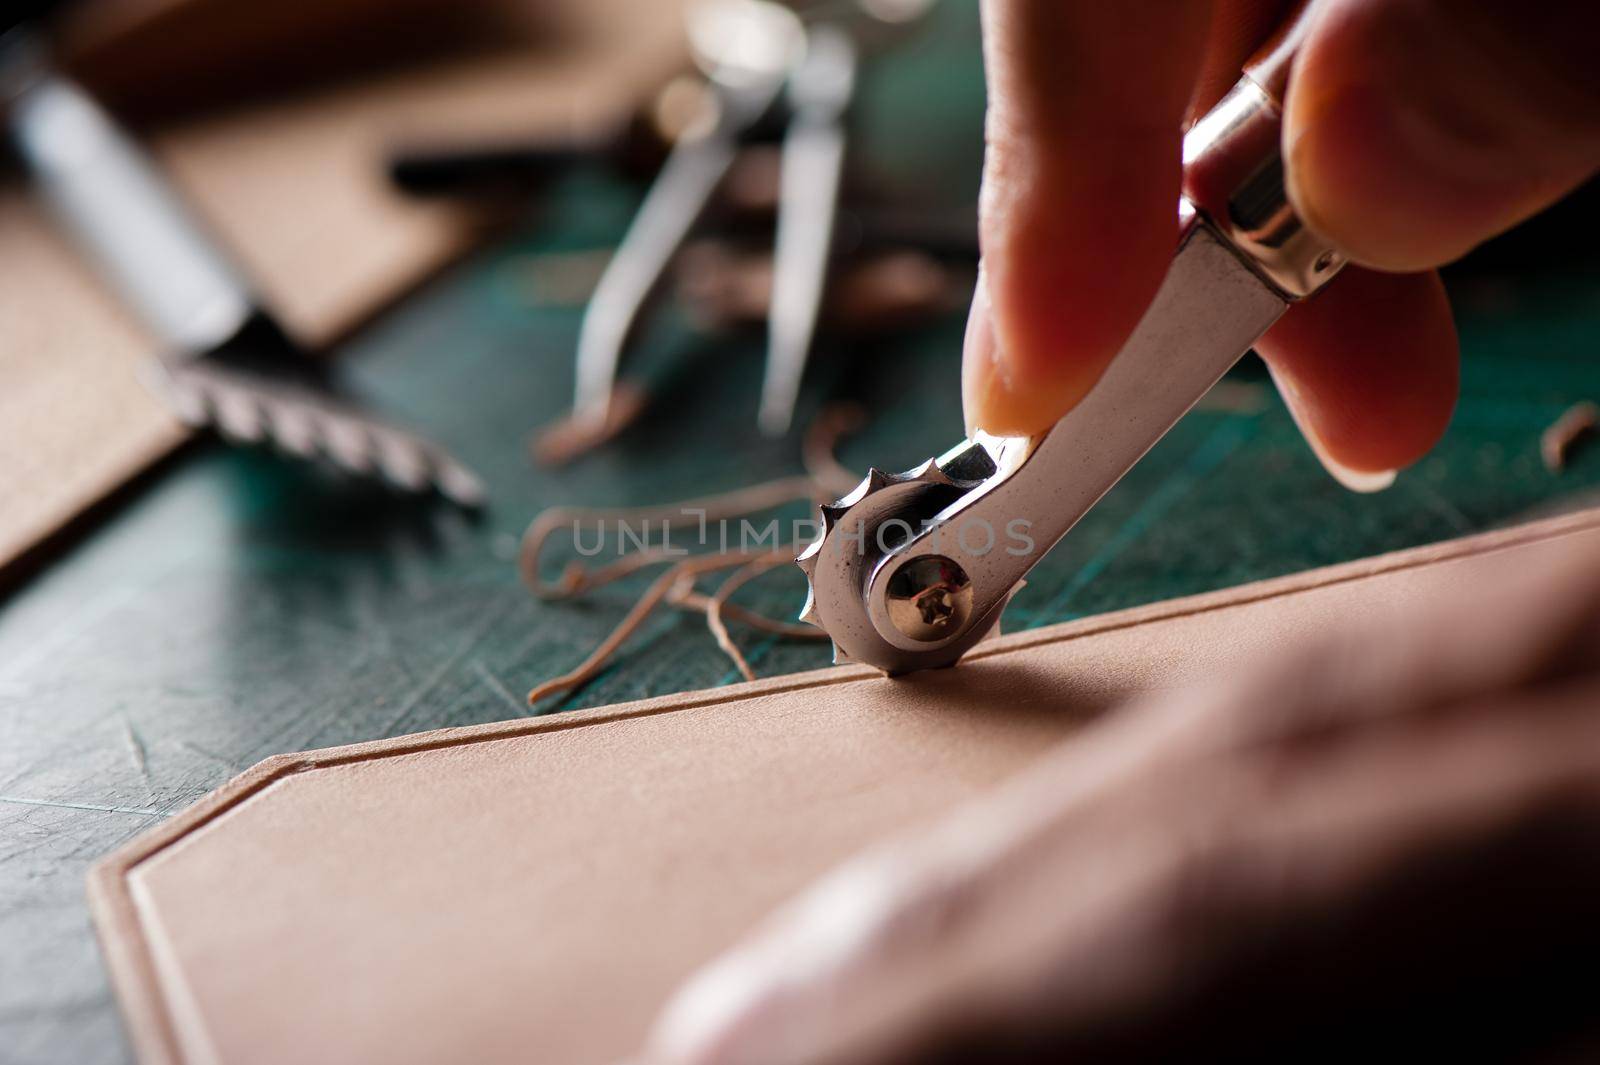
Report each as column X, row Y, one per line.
column 117, row 204
column 1234, row 176
column 1270, row 65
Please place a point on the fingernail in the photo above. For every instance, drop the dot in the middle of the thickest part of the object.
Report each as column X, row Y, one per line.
column 982, row 367
column 1364, row 481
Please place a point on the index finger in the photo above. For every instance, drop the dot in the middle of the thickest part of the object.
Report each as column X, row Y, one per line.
column 1081, row 179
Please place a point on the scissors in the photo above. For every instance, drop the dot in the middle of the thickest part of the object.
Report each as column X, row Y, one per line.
column 911, row 570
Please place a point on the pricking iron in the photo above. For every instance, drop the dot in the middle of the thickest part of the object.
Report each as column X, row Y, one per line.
column 911, row 570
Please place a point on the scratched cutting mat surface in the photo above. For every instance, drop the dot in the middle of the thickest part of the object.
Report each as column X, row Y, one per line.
column 237, row 608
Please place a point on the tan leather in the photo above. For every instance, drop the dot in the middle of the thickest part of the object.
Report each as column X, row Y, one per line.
column 531, row 891
column 296, row 187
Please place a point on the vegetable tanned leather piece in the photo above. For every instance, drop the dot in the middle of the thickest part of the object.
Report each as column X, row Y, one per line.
column 533, row 890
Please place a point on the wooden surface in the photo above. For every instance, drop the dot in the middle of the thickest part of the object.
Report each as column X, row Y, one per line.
column 295, row 186
column 239, row 608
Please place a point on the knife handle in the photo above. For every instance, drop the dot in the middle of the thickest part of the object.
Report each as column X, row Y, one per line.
column 117, row 204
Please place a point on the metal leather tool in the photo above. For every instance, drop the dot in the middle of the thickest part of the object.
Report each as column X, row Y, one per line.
column 820, row 91
column 747, row 48
column 752, row 51
column 225, row 363
column 912, row 569
column 514, row 169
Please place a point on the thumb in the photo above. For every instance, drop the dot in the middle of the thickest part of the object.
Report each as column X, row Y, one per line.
column 1415, row 130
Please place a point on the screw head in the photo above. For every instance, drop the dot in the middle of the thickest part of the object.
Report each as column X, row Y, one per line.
column 930, row 598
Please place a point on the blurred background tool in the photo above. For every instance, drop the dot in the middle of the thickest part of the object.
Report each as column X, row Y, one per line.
column 274, row 122
column 746, row 48
column 821, row 89
column 513, row 169
column 750, row 50
column 226, row 363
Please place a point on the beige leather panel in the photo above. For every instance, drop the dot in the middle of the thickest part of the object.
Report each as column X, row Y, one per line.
column 531, row 891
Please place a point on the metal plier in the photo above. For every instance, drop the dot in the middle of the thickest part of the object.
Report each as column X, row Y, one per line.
column 911, row 570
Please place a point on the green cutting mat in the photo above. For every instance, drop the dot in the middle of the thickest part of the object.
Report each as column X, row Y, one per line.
column 238, row 608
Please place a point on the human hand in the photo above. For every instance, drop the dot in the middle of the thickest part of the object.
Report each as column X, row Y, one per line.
column 1385, row 839
column 1414, row 129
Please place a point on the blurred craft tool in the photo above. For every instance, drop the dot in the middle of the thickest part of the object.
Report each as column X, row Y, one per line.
column 746, row 48
column 750, row 49
column 225, row 363
column 820, row 90
column 634, row 147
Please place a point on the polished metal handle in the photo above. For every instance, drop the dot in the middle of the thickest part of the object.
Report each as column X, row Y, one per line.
column 1233, row 172
column 116, row 203
column 977, row 519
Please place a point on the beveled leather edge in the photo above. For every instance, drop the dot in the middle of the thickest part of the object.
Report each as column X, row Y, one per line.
column 115, row 913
